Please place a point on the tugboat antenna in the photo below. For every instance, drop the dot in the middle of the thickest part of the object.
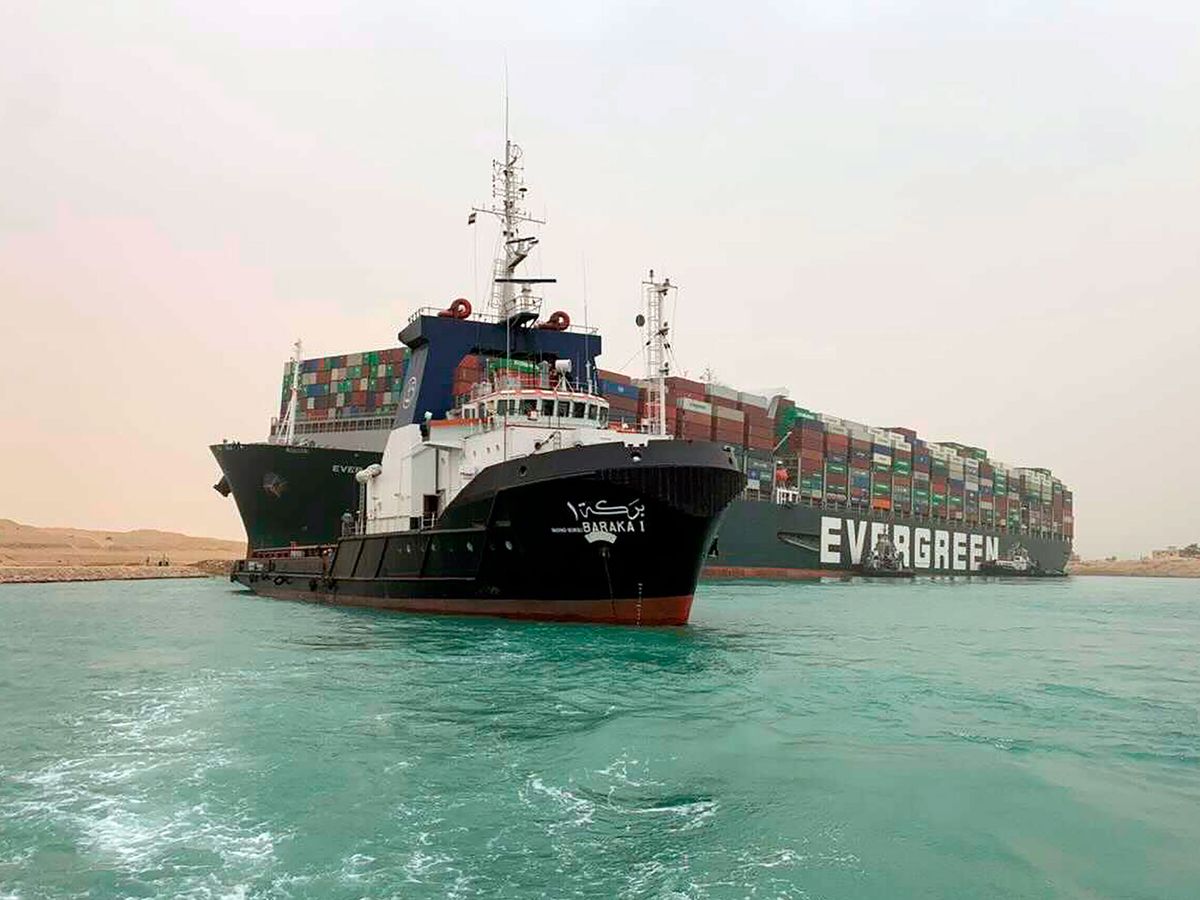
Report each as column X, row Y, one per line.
column 512, row 296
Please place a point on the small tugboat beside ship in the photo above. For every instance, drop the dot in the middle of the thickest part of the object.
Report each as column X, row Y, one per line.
column 518, row 500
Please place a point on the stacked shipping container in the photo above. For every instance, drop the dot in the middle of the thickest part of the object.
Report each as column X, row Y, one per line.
column 348, row 386
column 622, row 396
column 827, row 460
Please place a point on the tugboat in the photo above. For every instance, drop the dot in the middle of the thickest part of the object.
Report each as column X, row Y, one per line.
column 519, row 500
column 1019, row 563
column 884, row 561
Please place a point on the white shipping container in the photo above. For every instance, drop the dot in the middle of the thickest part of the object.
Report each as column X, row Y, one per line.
column 719, row 390
column 341, row 399
column 311, row 403
column 697, row 406
column 354, row 359
column 753, row 400
column 832, row 428
column 883, row 459
column 733, row 415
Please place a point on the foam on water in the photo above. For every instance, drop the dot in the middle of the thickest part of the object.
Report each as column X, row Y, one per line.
column 834, row 740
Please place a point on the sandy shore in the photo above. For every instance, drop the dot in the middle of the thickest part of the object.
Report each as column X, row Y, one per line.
column 30, row 547
column 1145, row 568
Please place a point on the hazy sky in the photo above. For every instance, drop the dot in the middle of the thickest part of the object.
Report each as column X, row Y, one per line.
column 980, row 220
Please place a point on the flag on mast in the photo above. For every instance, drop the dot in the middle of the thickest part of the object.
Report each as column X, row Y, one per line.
column 471, row 219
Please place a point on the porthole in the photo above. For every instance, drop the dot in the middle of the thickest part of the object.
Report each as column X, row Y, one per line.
column 523, row 471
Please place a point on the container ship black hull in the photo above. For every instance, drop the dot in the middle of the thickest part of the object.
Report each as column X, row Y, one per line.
column 290, row 494
column 602, row 533
column 298, row 495
column 769, row 540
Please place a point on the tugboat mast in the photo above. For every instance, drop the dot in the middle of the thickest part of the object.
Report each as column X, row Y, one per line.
column 512, row 296
column 658, row 349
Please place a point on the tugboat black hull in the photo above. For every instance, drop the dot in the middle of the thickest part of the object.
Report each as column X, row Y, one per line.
column 604, row 533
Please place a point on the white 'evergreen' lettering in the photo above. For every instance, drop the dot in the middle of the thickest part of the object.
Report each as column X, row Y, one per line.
column 831, row 539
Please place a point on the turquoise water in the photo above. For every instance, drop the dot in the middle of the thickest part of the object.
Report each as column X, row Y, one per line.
column 180, row 739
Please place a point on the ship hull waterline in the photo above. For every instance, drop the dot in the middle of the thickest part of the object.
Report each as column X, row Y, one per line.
column 583, row 535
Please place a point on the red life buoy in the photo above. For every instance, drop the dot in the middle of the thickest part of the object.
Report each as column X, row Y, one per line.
column 459, row 309
column 558, row 321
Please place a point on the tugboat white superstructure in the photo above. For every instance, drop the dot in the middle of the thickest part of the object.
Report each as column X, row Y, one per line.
column 518, row 500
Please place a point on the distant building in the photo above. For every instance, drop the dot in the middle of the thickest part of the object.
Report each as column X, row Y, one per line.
column 1169, row 553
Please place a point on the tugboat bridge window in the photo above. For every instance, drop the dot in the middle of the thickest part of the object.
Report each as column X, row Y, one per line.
column 547, row 408
column 564, row 408
column 528, row 406
column 577, row 410
column 591, row 411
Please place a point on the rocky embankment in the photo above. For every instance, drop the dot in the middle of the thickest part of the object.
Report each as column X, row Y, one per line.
column 43, row 574
column 1145, row 568
column 205, row 568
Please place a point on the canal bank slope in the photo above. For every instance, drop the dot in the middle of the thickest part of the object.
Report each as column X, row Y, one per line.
column 1146, row 568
